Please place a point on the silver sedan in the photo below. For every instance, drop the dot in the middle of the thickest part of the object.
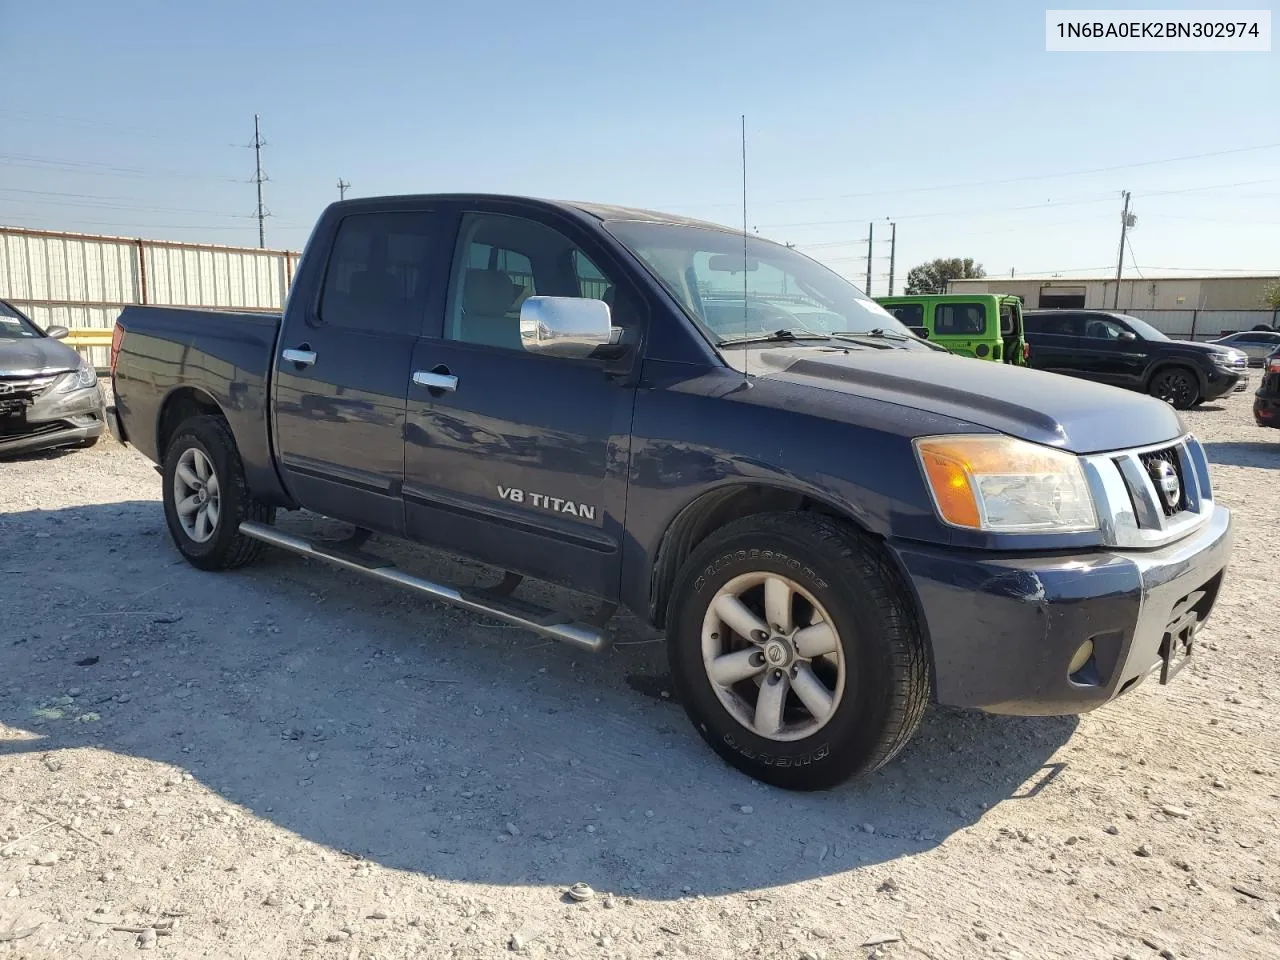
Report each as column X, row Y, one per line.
column 1256, row 344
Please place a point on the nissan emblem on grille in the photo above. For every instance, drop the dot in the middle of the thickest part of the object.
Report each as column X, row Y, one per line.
column 1166, row 480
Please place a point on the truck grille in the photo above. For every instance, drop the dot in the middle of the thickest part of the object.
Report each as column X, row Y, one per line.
column 1151, row 496
column 1170, row 456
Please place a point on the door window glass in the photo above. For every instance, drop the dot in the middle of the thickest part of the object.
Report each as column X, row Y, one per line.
column 376, row 276
column 907, row 314
column 1099, row 328
column 504, row 260
column 960, row 320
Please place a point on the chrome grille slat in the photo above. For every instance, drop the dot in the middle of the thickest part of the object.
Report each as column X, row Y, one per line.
column 1132, row 513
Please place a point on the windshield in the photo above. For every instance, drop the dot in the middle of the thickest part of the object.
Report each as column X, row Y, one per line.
column 779, row 290
column 13, row 325
column 1143, row 329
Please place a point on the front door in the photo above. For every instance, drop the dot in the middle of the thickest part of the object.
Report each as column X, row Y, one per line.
column 343, row 369
column 1113, row 352
column 516, row 459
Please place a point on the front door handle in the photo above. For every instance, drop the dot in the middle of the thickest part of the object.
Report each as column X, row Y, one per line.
column 303, row 358
column 435, row 380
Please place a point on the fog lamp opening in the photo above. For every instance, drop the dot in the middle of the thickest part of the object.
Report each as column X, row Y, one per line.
column 1079, row 669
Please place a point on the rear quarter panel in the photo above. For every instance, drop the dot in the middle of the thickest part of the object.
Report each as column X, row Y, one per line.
column 227, row 357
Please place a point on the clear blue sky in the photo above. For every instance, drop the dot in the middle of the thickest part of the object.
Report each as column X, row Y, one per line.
column 132, row 118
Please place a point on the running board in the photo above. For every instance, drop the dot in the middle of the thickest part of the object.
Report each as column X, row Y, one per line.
column 549, row 623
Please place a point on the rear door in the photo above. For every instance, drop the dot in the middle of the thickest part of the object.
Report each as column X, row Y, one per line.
column 516, row 459
column 342, row 373
column 1055, row 337
column 963, row 327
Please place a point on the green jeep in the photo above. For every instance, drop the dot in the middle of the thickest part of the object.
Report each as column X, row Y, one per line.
column 983, row 325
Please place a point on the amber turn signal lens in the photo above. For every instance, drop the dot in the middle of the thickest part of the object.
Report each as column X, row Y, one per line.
column 952, row 491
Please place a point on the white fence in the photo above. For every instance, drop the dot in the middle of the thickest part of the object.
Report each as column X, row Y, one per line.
column 1204, row 324
column 83, row 281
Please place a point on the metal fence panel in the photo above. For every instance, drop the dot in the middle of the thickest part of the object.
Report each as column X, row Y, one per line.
column 83, row 281
column 1203, row 324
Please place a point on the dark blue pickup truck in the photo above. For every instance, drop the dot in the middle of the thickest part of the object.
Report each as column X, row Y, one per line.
column 833, row 521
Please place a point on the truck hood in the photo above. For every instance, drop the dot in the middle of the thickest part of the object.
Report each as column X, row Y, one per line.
column 1047, row 408
column 35, row 355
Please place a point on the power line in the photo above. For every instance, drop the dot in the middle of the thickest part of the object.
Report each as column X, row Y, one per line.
column 1133, row 258
column 1005, row 180
column 97, row 169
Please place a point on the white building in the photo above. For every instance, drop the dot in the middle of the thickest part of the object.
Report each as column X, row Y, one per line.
column 1151, row 293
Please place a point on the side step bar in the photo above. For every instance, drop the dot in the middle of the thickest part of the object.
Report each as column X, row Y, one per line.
column 557, row 626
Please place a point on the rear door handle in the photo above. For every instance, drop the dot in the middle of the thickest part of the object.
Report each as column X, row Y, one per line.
column 303, row 358
column 433, row 380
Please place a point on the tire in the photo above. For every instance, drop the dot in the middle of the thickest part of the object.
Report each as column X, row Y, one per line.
column 204, row 445
column 1176, row 386
column 876, row 680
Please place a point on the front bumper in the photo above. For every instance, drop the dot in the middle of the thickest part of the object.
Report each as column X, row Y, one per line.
column 51, row 420
column 1222, row 381
column 1004, row 629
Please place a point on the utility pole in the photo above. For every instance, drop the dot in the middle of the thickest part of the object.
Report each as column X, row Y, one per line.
column 259, row 178
column 871, row 236
column 342, row 189
column 893, row 252
column 1126, row 221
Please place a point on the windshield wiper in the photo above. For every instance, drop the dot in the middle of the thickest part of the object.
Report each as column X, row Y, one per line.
column 778, row 336
column 879, row 333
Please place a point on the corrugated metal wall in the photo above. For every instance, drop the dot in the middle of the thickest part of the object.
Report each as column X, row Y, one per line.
column 1203, row 324
column 83, row 281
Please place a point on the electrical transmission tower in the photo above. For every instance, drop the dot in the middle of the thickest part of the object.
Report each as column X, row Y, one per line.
column 343, row 186
column 259, row 178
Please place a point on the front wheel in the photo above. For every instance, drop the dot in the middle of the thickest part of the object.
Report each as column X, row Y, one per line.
column 1175, row 386
column 795, row 651
column 206, row 497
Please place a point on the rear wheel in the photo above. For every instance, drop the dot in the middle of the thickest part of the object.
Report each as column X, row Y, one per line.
column 1175, row 386
column 206, row 497
column 795, row 652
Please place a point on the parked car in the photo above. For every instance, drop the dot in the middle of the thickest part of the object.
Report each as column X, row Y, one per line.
column 987, row 326
column 49, row 394
column 833, row 522
column 1257, row 345
column 1266, row 402
column 1124, row 351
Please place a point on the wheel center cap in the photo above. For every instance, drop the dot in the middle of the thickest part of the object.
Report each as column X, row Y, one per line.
column 203, row 495
column 777, row 653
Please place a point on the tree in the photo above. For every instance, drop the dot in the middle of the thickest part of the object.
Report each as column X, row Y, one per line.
column 932, row 277
column 1271, row 295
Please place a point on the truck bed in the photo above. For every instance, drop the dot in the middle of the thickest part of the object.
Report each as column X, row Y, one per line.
column 173, row 355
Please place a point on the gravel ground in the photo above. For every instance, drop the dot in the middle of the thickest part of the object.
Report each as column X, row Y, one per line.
column 287, row 761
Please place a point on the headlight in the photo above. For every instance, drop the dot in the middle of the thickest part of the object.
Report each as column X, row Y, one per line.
column 83, row 377
column 1004, row 485
column 1229, row 358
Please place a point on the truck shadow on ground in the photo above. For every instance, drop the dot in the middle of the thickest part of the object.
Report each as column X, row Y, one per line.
column 429, row 740
column 1244, row 453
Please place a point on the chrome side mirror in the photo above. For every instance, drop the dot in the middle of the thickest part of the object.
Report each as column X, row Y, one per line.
column 571, row 327
column 57, row 332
